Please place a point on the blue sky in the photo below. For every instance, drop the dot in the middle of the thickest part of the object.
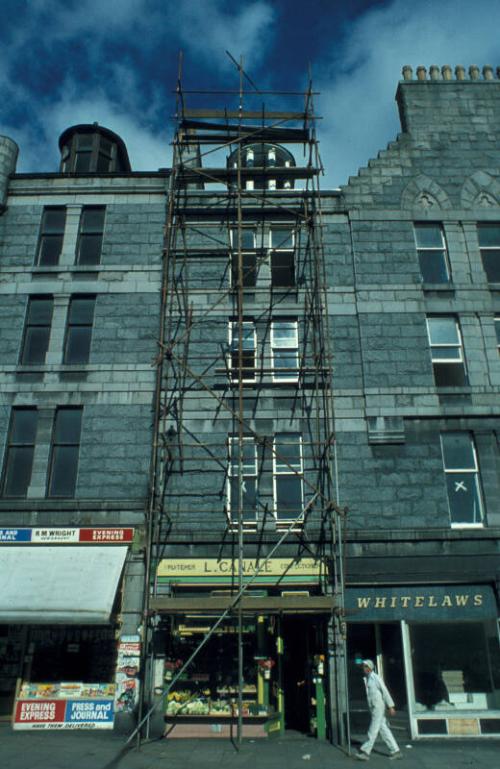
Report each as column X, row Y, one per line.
column 116, row 61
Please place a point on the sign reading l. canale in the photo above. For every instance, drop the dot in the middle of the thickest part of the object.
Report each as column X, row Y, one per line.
column 224, row 571
column 438, row 602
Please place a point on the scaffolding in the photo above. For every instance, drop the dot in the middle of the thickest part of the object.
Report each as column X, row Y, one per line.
column 249, row 216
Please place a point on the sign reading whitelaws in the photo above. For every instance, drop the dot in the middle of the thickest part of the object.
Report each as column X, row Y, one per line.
column 427, row 602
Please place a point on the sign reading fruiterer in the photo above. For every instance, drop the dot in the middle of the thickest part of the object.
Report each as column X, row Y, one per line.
column 65, row 536
column 64, row 714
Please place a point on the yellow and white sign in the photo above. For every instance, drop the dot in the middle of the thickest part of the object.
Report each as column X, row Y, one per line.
column 275, row 571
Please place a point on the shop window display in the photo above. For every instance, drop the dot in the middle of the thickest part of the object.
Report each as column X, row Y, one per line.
column 456, row 666
column 208, row 689
column 73, row 654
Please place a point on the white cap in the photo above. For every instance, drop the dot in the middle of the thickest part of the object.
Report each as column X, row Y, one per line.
column 369, row 664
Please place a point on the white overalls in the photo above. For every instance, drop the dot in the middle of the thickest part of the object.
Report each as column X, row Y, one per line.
column 378, row 698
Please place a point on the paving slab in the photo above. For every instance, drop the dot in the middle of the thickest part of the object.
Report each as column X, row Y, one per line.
column 104, row 750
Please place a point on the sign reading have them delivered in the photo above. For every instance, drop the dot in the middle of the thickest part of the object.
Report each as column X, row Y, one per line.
column 429, row 603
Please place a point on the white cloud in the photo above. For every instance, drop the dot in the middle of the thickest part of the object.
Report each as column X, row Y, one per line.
column 210, row 28
column 358, row 84
column 148, row 150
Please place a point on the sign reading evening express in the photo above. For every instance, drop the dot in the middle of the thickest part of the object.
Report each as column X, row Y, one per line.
column 64, row 714
column 60, row 536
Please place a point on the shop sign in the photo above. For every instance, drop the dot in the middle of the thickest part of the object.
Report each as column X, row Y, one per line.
column 226, row 571
column 56, row 536
column 429, row 603
column 64, row 714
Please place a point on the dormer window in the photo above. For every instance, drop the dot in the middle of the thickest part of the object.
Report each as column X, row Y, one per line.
column 92, row 149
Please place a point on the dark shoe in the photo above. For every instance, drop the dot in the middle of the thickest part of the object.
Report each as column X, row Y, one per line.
column 362, row 756
column 397, row 754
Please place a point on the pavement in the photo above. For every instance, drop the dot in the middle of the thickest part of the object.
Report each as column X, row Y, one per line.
column 104, row 750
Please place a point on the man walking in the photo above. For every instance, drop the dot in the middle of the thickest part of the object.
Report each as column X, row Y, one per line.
column 378, row 698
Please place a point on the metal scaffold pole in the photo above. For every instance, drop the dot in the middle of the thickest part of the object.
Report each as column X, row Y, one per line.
column 223, row 379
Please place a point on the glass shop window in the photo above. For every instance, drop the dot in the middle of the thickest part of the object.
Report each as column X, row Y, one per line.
column 73, row 654
column 456, row 666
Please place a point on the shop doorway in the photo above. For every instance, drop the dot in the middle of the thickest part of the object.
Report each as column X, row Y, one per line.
column 382, row 643
column 302, row 642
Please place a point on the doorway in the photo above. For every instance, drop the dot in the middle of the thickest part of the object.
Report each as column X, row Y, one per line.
column 302, row 641
column 382, row 643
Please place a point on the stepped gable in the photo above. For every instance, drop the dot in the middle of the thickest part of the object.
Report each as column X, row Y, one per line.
column 449, row 122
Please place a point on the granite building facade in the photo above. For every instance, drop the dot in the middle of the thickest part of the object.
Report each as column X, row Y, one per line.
column 224, row 360
column 80, row 272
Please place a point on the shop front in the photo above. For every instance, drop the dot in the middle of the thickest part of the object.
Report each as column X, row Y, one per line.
column 437, row 648
column 283, row 637
column 59, row 634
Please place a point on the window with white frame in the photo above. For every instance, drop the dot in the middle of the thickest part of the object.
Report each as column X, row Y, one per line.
column 242, row 480
column 447, row 354
column 284, row 350
column 288, row 476
column 282, row 244
column 489, row 245
column 462, row 479
column 243, row 367
column 245, row 238
column 432, row 253
column 497, row 329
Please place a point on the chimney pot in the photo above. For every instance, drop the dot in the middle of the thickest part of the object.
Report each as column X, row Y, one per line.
column 446, row 72
column 488, row 72
column 434, row 72
column 460, row 72
column 474, row 72
column 421, row 73
column 407, row 72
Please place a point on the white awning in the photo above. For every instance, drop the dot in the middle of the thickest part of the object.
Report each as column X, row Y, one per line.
column 58, row 584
